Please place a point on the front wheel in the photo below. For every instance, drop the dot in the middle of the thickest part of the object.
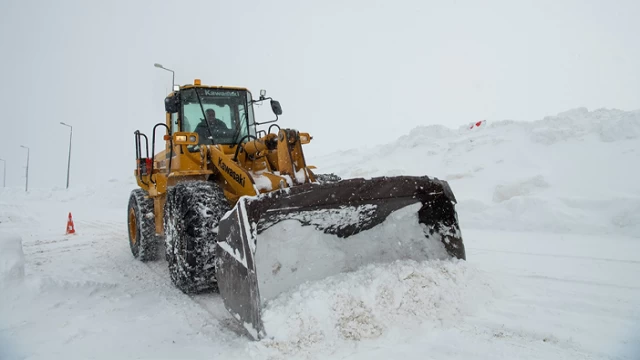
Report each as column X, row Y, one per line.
column 192, row 212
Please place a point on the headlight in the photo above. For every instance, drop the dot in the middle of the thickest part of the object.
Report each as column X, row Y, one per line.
column 185, row 138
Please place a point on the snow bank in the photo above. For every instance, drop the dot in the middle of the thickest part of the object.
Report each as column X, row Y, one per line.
column 374, row 303
column 575, row 172
column 607, row 124
column 111, row 193
column 11, row 258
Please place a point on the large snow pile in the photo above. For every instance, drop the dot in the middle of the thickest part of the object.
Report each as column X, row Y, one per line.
column 372, row 304
column 576, row 172
column 283, row 261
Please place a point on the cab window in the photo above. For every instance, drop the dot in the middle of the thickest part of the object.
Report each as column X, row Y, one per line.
column 219, row 116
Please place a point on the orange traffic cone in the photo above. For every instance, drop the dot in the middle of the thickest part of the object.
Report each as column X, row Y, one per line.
column 70, row 228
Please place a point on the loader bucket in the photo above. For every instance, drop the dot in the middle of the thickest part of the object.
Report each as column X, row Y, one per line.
column 273, row 242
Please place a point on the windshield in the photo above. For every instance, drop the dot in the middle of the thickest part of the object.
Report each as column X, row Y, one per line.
column 225, row 112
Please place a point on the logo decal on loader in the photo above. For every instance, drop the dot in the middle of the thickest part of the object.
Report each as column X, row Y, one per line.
column 237, row 177
column 209, row 92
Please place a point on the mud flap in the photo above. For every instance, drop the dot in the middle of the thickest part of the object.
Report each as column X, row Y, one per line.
column 342, row 210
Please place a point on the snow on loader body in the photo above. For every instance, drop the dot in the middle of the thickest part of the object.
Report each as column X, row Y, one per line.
column 240, row 211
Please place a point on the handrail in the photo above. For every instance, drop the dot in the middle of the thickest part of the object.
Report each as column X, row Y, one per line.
column 138, row 134
column 153, row 148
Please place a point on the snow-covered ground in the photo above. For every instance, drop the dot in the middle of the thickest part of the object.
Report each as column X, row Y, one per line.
column 550, row 216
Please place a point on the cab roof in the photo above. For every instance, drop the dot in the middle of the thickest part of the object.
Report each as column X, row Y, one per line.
column 197, row 84
column 189, row 86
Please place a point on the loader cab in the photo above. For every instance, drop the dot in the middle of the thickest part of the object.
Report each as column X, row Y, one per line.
column 218, row 115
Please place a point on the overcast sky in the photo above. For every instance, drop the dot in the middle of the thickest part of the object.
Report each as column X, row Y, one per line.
column 353, row 73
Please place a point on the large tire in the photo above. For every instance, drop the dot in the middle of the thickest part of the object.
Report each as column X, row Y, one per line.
column 192, row 212
column 142, row 227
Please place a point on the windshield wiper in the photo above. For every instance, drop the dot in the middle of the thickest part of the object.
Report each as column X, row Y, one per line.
column 236, row 135
column 204, row 117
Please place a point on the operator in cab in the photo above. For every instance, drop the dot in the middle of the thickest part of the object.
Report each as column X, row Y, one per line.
column 218, row 128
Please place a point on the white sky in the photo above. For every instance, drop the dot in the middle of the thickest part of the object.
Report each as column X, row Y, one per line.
column 353, row 74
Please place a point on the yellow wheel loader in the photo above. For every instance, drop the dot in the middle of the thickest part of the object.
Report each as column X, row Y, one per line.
column 241, row 212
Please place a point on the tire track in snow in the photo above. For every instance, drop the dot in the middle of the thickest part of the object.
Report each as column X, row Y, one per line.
column 105, row 242
column 585, row 282
column 557, row 256
column 209, row 302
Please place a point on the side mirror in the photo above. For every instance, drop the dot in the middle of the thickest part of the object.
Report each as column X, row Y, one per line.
column 275, row 106
column 172, row 104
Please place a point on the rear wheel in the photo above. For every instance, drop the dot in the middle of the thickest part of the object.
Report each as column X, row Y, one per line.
column 192, row 212
column 141, row 226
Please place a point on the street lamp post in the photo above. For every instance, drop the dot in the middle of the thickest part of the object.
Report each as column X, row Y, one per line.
column 173, row 74
column 4, row 173
column 26, row 186
column 69, row 162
